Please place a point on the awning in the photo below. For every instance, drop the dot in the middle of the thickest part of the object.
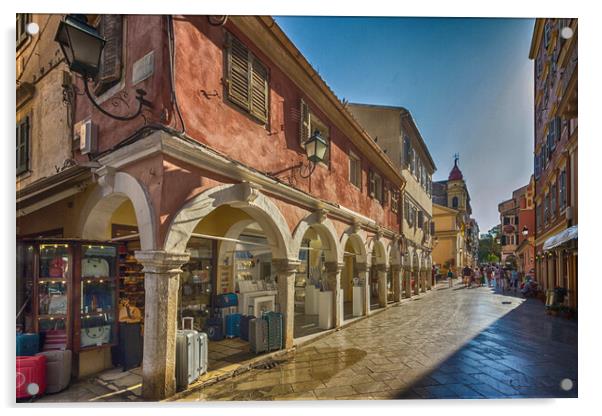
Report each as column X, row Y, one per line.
column 560, row 238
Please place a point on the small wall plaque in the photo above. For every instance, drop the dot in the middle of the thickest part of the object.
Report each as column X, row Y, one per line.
column 143, row 68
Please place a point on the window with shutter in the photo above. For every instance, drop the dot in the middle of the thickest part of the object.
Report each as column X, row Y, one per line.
column 247, row 80
column 22, row 20
column 378, row 187
column 309, row 123
column 420, row 219
column 259, row 91
column 355, row 170
column 371, row 184
column 23, row 143
column 406, row 151
column 111, row 28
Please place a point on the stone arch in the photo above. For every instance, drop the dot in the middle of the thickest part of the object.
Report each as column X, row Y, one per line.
column 243, row 196
column 394, row 253
column 358, row 243
column 325, row 229
column 377, row 246
column 233, row 232
column 113, row 190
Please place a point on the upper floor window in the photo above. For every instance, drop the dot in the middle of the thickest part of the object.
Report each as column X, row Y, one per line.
column 23, row 144
column 395, row 197
column 23, row 19
column 407, row 152
column 247, row 80
column 110, row 27
column 309, row 124
column 562, row 190
column 553, row 200
column 455, row 202
column 355, row 170
column 376, row 187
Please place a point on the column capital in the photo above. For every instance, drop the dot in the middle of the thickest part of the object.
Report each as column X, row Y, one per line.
column 361, row 267
column 333, row 266
column 395, row 268
column 381, row 267
column 161, row 262
column 285, row 265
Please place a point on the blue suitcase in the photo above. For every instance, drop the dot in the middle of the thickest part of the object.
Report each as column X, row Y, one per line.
column 226, row 300
column 274, row 324
column 28, row 344
column 233, row 325
column 244, row 326
column 214, row 330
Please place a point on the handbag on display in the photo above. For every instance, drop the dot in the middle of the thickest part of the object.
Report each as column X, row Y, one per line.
column 55, row 339
column 57, row 305
column 57, row 267
column 95, row 335
column 95, row 267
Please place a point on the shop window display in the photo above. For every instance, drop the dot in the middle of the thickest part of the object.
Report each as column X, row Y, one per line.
column 71, row 287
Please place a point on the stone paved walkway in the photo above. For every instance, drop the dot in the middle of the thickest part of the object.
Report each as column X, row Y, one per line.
column 451, row 343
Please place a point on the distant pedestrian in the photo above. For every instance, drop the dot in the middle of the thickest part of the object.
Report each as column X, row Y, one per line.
column 476, row 277
column 450, row 278
column 466, row 274
column 514, row 280
column 497, row 278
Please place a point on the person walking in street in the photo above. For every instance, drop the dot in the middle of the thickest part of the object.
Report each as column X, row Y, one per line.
column 514, row 280
column 466, row 272
column 476, row 277
column 450, row 277
column 503, row 279
column 496, row 277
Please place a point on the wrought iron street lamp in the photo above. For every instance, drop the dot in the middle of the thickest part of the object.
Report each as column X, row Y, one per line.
column 315, row 147
column 82, row 46
column 315, row 150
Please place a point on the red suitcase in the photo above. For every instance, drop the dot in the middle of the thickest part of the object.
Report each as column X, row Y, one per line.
column 31, row 371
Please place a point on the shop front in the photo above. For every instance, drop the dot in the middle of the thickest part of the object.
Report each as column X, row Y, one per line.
column 354, row 279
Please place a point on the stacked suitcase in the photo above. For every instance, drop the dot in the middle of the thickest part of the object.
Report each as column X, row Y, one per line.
column 244, row 326
column 128, row 352
column 258, row 335
column 233, row 325
column 31, row 376
column 214, row 328
column 274, row 321
column 28, row 344
column 191, row 354
column 58, row 369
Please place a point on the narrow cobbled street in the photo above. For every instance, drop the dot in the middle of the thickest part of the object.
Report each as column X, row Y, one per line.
column 450, row 343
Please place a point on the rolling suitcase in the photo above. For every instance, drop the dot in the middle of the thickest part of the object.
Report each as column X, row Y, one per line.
column 58, row 370
column 188, row 356
column 274, row 324
column 244, row 326
column 258, row 335
column 188, row 324
column 128, row 352
column 31, row 376
column 226, row 300
column 214, row 329
column 28, row 344
column 233, row 325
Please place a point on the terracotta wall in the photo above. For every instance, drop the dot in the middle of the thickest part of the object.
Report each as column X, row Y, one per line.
column 213, row 120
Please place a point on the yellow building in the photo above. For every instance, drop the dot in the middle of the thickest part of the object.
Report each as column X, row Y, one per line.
column 456, row 234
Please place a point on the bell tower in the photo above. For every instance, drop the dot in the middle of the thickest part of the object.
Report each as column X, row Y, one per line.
column 456, row 187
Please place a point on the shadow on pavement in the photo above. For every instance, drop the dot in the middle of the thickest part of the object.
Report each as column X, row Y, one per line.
column 524, row 354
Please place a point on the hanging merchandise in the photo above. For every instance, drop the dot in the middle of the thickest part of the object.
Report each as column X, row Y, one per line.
column 95, row 267
column 57, row 267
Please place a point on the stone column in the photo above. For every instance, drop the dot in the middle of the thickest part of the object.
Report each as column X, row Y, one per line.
column 381, row 273
column 429, row 279
column 423, row 280
column 363, row 274
column 285, row 270
column 407, row 279
column 161, row 285
column 333, row 270
column 397, row 276
column 416, row 282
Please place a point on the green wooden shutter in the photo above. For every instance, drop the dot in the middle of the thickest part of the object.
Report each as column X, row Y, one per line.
column 23, row 146
column 239, row 74
column 259, row 91
column 111, row 28
column 371, row 184
column 303, row 123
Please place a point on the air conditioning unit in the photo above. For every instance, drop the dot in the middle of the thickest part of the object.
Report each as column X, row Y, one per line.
column 87, row 137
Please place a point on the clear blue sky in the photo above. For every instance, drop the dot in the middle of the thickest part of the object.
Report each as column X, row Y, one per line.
column 467, row 82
